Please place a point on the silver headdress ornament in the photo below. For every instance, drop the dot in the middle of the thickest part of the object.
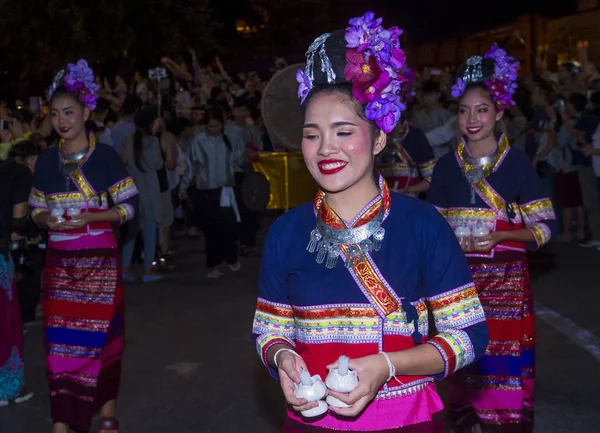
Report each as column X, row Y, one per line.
column 55, row 83
column 326, row 67
column 473, row 71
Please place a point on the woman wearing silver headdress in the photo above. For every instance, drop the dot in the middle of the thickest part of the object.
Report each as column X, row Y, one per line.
column 372, row 261
column 492, row 197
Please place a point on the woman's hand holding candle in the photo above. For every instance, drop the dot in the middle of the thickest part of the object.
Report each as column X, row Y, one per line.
column 373, row 371
column 291, row 370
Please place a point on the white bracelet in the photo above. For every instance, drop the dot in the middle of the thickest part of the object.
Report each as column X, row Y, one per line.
column 283, row 350
column 390, row 365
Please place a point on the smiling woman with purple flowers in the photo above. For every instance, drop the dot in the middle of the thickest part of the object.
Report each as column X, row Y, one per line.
column 375, row 259
column 80, row 189
column 491, row 195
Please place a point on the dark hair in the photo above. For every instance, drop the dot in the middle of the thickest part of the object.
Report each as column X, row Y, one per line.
column 241, row 101
column 344, row 90
column 545, row 89
column 578, row 101
column 214, row 113
column 217, row 114
column 23, row 150
column 22, row 115
column 143, row 126
column 479, row 85
column 62, row 91
column 131, row 104
column 431, row 87
column 102, row 106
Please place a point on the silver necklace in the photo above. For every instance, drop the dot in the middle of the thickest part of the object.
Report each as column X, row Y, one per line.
column 327, row 240
column 477, row 173
column 72, row 160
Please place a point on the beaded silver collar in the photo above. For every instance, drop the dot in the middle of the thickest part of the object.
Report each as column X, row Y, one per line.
column 327, row 240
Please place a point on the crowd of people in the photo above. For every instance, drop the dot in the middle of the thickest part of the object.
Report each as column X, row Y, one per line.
column 101, row 178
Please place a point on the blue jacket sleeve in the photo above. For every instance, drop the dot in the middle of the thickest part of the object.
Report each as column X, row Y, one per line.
column 457, row 311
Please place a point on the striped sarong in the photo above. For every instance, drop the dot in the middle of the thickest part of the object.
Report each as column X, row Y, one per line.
column 83, row 322
column 497, row 391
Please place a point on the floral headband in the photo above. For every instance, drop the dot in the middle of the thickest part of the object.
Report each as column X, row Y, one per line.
column 374, row 63
column 502, row 83
column 78, row 79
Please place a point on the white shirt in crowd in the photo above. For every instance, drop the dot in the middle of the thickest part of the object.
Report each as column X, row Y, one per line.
column 211, row 163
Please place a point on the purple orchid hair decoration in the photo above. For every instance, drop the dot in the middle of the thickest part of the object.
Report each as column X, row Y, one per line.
column 502, row 79
column 77, row 79
column 373, row 64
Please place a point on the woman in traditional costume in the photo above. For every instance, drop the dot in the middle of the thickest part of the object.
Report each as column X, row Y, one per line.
column 407, row 162
column 80, row 189
column 374, row 258
column 16, row 179
column 491, row 195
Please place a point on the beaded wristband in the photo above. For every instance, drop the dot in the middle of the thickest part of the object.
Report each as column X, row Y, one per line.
column 390, row 365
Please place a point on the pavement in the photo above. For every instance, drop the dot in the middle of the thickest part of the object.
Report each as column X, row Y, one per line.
column 190, row 365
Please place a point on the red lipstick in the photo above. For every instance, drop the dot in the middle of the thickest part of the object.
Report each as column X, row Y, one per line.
column 331, row 166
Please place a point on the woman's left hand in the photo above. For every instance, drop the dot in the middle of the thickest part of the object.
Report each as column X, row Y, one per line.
column 485, row 244
column 373, row 371
column 79, row 221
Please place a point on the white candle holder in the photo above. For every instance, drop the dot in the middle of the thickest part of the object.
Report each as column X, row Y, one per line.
column 335, row 402
column 462, row 231
column 73, row 211
column 314, row 391
column 58, row 213
column 479, row 231
column 339, row 383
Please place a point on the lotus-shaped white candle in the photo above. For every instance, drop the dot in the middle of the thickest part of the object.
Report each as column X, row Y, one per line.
column 479, row 231
column 462, row 231
column 312, row 389
column 58, row 213
column 73, row 211
column 342, row 379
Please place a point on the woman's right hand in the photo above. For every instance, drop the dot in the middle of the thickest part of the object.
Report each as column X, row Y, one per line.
column 52, row 223
column 467, row 244
column 290, row 367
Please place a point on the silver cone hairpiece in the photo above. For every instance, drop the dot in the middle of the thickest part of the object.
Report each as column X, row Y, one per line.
column 55, row 83
column 474, row 70
column 326, row 67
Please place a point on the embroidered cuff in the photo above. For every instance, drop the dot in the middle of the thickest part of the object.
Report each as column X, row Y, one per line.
column 538, row 210
column 37, row 199
column 264, row 343
column 426, row 170
column 457, row 309
column 541, row 233
column 125, row 212
column 455, row 347
column 123, row 190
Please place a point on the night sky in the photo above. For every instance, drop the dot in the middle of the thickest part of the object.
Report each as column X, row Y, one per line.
column 432, row 20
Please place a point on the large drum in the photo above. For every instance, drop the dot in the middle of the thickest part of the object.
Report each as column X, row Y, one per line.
column 281, row 180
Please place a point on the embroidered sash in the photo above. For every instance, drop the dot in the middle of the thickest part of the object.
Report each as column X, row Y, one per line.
column 482, row 187
column 365, row 272
column 77, row 175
